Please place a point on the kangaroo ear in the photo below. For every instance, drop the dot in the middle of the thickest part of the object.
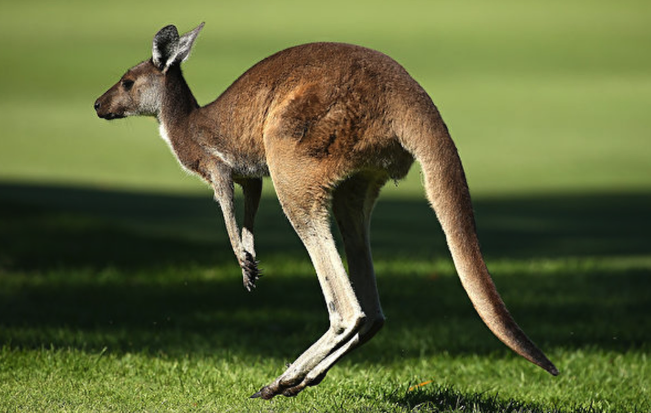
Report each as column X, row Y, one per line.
column 185, row 43
column 164, row 48
column 168, row 48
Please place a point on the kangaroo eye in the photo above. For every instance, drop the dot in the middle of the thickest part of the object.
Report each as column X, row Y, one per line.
column 127, row 84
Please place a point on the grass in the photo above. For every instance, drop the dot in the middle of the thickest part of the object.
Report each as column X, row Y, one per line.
column 118, row 290
column 107, row 309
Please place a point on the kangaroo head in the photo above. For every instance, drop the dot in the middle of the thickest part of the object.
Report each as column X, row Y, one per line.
column 141, row 89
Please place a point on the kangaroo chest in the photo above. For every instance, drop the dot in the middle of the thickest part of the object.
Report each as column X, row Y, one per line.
column 193, row 156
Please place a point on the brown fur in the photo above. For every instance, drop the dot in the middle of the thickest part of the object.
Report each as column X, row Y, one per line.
column 330, row 123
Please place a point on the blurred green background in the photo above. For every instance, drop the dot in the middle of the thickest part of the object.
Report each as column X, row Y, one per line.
column 108, row 250
column 540, row 97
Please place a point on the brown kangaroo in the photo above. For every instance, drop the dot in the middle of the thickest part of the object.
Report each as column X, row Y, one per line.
column 330, row 123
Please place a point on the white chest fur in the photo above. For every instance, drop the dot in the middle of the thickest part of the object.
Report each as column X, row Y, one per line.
column 166, row 137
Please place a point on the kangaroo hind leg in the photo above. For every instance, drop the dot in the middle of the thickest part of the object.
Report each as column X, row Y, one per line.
column 352, row 205
column 305, row 200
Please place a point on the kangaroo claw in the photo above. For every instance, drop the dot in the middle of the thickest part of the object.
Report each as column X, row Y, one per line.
column 250, row 271
column 265, row 393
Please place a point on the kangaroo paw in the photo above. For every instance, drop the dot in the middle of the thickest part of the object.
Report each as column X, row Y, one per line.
column 250, row 271
column 275, row 389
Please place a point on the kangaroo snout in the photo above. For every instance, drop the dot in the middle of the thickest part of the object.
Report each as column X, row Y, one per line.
column 100, row 108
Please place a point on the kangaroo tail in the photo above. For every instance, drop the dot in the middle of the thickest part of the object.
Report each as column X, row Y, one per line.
column 428, row 140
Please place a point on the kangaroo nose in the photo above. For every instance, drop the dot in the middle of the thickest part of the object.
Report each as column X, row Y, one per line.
column 97, row 105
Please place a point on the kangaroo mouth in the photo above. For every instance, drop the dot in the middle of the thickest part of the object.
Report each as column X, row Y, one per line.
column 110, row 115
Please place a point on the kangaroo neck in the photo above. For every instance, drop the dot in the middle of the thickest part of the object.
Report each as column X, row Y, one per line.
column 178, row 102
column 175, row 119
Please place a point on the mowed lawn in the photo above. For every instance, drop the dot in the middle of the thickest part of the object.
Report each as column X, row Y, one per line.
column 118, row 288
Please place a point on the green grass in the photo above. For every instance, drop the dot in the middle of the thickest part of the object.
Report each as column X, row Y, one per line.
column 118, row 301
column 118, row 289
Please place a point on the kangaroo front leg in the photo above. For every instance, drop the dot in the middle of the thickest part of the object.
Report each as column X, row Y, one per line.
column 252, row 189
column 222, row 184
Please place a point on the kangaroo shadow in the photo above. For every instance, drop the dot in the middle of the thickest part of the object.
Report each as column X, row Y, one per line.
column 90, row 261
column 443, row 399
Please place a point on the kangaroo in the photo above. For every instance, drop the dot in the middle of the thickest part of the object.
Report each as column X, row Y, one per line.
column 330, row 124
